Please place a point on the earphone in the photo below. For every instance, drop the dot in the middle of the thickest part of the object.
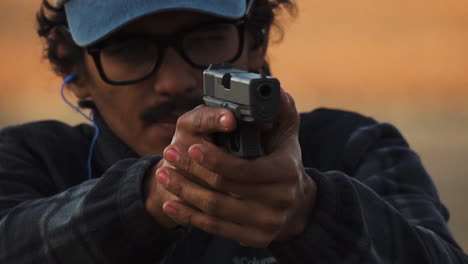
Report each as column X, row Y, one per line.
column 70, row 78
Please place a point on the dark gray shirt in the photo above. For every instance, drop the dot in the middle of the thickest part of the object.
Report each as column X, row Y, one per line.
column 375, row 204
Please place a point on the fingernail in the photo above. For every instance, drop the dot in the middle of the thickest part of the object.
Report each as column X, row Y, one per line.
column 171, row 155
column 170, row 209
column 162, row 177
column 196, row 154
column 223, row 120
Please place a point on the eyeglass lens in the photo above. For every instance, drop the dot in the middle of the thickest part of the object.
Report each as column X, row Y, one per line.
column 135, row 58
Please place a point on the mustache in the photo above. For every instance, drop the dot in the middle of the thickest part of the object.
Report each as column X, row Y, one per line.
column 163, row 110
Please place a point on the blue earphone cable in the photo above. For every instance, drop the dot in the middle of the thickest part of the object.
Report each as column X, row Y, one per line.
column 68, row 80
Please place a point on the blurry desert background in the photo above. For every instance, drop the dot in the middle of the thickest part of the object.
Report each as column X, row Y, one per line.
column 399, row 61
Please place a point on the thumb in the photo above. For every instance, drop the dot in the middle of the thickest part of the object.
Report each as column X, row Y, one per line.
column 286, row 124
column 288, row 116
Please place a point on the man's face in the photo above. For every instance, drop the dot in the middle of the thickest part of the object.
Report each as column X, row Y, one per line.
column 176, row 80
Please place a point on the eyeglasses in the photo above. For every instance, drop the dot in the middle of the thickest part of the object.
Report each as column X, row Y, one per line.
column 128, row 58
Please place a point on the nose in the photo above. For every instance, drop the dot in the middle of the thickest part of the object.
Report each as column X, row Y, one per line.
column 175, row 76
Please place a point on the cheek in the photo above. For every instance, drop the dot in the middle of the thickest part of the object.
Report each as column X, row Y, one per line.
column 243, row 62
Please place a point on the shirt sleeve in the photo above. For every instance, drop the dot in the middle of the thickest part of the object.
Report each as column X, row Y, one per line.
column 386, row 210
column 99, row 221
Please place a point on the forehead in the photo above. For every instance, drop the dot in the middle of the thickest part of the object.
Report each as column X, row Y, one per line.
column 166, row 23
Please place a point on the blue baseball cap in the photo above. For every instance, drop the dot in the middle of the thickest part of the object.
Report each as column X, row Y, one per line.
column 92, row 20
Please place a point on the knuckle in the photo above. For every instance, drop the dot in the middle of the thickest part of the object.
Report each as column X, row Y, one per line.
column 186, row 219
column 191, row 120
column 219, row 161
column 274, row 222
column 198, row 107
column 198, row 118
column 287, row 199
column 177, row 189
column 243, row 171
column 183, row 120
column 211, row 119
column 201, row 119
column 215, row 180
column 210, row 205
column 211, row 226
column 186, row 163
column 291, row 167
column 292, row 102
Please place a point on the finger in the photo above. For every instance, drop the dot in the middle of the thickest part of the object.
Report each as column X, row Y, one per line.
column 248, row 236
column 286, row 125
column 279, row 195
column 206, row 120
column 214, row 203
column 178, row 158
column 240, row 170
column 190, row 162
column 276, row 195
column 288, row 113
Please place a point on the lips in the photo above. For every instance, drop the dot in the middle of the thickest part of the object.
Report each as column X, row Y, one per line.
column 166, row 125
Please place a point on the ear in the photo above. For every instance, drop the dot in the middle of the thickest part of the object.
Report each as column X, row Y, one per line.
column 257, row 52
column 78, row 87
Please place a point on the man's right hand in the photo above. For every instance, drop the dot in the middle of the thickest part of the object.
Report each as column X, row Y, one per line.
column 155, row 196
column 208, row 120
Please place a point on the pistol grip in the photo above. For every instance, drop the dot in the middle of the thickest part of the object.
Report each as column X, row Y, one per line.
column 244, row 142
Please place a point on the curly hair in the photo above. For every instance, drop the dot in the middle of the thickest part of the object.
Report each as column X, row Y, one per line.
column 64, row 54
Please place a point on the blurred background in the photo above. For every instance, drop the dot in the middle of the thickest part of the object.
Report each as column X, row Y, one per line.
column 399, row 61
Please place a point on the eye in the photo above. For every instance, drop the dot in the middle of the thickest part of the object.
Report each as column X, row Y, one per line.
column 131, row 50
column 206, row 37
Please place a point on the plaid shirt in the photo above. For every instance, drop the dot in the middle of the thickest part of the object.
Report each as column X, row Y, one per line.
column 375, row 202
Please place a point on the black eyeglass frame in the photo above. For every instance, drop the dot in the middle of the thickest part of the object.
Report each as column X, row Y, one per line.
column 162, row 42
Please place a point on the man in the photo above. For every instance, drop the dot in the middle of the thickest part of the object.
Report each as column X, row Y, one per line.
column 335, row 187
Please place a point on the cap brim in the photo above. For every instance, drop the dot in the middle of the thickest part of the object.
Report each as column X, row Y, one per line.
column 93, row 20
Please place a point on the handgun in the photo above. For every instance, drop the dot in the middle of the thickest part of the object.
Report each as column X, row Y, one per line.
column 253, row 98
